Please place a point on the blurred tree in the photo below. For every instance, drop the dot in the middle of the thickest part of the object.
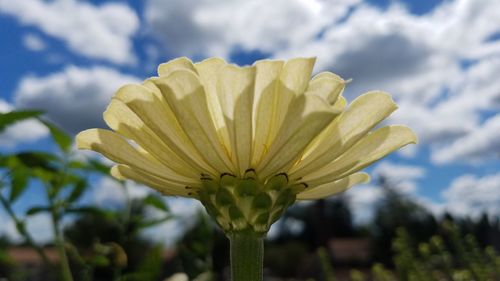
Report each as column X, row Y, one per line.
column 394, row 211
column 322, row 221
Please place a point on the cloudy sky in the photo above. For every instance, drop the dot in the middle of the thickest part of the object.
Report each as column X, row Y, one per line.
column 439, row 59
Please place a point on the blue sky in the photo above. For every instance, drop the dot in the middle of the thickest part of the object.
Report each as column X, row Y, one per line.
column 439, row 59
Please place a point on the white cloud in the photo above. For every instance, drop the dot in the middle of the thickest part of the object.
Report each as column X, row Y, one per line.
column 110, row 192
column 217, row 28
column 480, row 145
column 102, row 32
column 33, row 42
column 403, row 177
column 39, row 226
column 21, row 132
column 74, row 98
column 399, row 171
column 470, row 195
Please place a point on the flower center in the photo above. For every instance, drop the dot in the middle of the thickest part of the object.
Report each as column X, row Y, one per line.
column 247, row 203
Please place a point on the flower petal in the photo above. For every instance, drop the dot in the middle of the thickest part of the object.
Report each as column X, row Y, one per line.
column 235, row 90
column 114, row 147
column 293, row 81
column 362, row 115
column 333, row 188
column 369, row 149
column 124, row 121
column 266, row 81
column 165, row 69
column 163, row 186
column 154, row 111
column 186, row 96
column 327, row 85
column 307, row 116
column 208, row 70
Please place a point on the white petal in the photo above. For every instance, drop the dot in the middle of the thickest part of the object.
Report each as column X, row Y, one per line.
column 369, row 149
column 114, row 147
column 293, row 81
column 124, row 121
column 165, row 69
column 308, row 115
column 266, row 81
column 186, row 96
column 327, row 85
column 163, row 186
column 154, row 111
column 235, row 90
column 208, row 71
column 333, row 188
column 362, row 115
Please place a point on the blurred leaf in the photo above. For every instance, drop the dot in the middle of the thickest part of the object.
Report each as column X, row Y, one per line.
column 149, row 269
column 99, row 167
column 156, row 202
column 9, row 118
column 19, row 179
column 77, row 191
column 99, row 261
column 87, row 210
column 44, row 175
column 149, row 223
column 62, row 139
column 76, row 165
column 36, row 159
column 37, row 209
column 91, row 166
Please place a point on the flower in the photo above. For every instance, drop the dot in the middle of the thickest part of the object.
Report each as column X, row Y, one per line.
column 246, row 141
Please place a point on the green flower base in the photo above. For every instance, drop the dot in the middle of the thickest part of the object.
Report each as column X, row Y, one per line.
column 245, row 208
column 247, row 204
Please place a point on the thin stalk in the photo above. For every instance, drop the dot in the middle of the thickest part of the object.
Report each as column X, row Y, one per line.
column 59, row 241
column 22, row 230
column 247, row 256
column 56, row 216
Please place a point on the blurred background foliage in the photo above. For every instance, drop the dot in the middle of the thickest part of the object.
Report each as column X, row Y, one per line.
column 403, row 241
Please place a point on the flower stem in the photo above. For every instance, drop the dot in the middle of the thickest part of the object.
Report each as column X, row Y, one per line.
column 247, row 256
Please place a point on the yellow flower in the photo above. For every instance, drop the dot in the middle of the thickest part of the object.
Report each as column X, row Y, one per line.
column 246, row 141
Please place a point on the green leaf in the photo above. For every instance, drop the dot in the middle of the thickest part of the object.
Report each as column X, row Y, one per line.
column 19, row 179
column 37, row 209
column 99, row 167
column 62, row 139
column 9, row 118
column 87, row 210
column 149, row 223
column 35, row 159
column 78, row 189
column 156, row 202
column 91, row 166
column 99, row 261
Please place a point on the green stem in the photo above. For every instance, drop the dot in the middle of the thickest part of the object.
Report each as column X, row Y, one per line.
column 59, row 241
column 247, row 256
column 22, row 230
